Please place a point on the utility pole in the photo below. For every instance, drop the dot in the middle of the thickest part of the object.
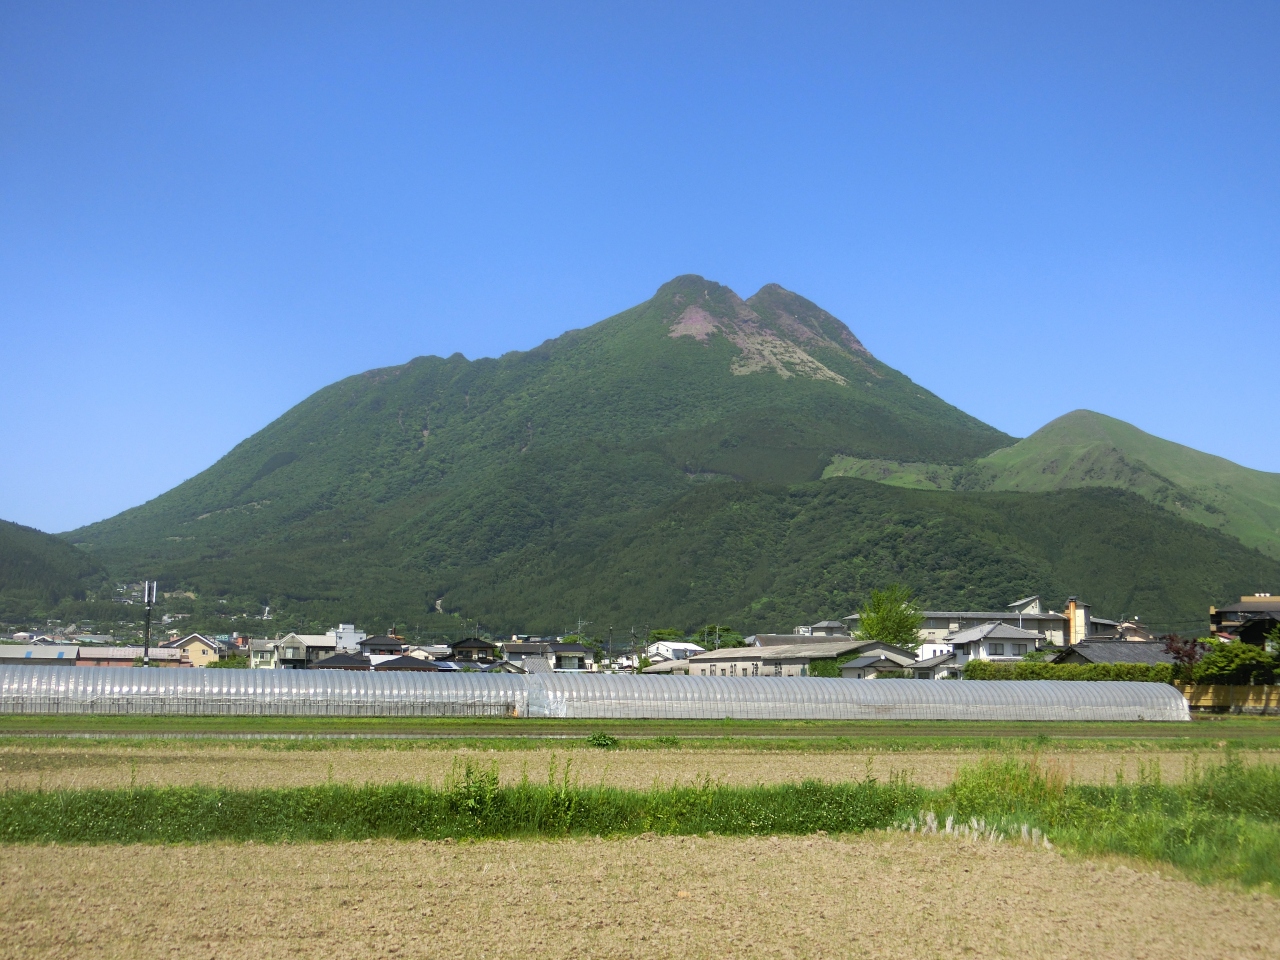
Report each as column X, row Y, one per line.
column 148, row 599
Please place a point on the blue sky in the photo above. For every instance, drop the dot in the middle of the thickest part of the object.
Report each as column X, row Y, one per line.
column 209, row 212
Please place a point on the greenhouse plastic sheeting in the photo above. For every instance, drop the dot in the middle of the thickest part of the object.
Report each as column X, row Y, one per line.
column 338, row 693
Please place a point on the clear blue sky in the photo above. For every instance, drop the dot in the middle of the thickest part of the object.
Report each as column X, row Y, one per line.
column 209, row 212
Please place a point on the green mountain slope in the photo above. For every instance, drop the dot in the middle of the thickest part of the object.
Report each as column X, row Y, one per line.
column 1086, row 449
column 445, row 463
column 39, row 570
column 766, row 557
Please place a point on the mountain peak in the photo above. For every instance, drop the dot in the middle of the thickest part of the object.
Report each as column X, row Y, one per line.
column 775, row 330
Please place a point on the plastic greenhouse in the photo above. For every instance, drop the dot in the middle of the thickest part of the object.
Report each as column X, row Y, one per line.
column 338, row 693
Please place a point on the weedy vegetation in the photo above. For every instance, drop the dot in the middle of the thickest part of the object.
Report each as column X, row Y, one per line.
column 1222, row 823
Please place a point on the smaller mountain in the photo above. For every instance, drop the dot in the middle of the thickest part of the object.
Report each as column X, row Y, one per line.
column 38, row 570
column 1087, row 449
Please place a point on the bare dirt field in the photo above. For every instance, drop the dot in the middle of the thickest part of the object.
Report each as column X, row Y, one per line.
column 110, row 766
column 875, row 895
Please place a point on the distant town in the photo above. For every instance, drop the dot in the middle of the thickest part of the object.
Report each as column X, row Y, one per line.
column 945, row 645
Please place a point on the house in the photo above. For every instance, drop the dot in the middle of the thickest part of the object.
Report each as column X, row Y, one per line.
column 52, row 655
column 197, row 651
column 994, row 640
column 520, row 651
column 788, row 659
column 299, row 650
column 1116, row 651
column 428, row 651
column 945, row 666
column 571, row 657
column 264, row 655
column 342, row 661
column 381, row 645
column 1025, row 614
column 1250, row 620
column 346, row 638
column 474, row 650
column 866, row 668
column 558, row 657
column 825, row 628
column 672, row 650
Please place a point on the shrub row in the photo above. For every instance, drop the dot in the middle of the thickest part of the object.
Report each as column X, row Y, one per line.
column 1030, row 670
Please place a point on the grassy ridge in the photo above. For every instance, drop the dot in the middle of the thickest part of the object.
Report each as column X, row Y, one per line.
column 1224, row 823
column 1087, row 449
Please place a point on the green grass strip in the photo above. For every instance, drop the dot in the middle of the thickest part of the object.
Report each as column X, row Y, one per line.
column 1223, row 823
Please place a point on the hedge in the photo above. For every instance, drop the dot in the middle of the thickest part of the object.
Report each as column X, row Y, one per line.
column 1031, row 670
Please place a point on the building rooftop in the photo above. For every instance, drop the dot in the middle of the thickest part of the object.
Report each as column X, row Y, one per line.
column 937, row 661
column 979, row 615
column 402, row 663
column 35, row 651
column 342, row 661
column 813, row 649
column 992, row 631
column 1118, row 651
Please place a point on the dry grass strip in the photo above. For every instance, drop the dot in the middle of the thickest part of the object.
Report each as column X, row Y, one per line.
column 889, row 896
column 241, row 767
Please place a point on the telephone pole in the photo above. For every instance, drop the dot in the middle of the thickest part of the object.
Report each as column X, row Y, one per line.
column 148, row 599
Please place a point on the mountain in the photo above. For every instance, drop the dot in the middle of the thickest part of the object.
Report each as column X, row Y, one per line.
column 445, row 463
column 39, row 570
column 1087, row 449
column 660, row 466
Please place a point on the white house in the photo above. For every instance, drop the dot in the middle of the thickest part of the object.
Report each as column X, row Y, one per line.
column 673, row 650
column 991, row 641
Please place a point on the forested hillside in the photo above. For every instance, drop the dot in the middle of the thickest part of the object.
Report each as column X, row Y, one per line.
column 38, row 571
column 767, row 557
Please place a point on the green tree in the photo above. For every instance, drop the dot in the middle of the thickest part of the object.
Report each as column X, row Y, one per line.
column 1236, row 663
column 891, row 616
column 670, row 634
column 707, row 636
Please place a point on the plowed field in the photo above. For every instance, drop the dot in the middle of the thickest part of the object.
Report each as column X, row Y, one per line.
column 890, row 896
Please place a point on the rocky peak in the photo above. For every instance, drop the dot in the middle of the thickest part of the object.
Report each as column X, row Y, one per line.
column 775, row 330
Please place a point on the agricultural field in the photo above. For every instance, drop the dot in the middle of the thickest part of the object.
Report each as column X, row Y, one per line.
column 874, row 895
column 640, row 840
